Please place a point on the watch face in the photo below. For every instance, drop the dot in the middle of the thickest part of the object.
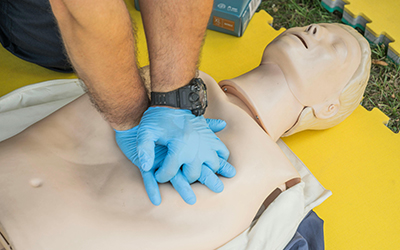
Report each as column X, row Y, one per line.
column 203, row 97
column 200, row 91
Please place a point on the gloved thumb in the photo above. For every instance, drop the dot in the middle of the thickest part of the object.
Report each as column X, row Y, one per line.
column 145, row 150
column 216, row 125
column 146, row 156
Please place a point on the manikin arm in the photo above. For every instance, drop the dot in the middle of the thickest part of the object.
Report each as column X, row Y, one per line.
column 103, row 55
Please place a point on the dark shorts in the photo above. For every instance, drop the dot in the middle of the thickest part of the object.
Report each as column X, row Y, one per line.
column 28, row 29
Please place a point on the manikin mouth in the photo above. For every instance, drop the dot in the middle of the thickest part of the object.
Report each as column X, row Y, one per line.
column 302, row 40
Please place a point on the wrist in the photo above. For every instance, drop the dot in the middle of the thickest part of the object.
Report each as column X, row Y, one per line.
column 123, row 126
column 126, row 131
column 192, row 96
column 161, row 84
column 131, row 115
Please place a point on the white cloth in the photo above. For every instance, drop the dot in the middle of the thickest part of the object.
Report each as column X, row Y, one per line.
column 278, row 223
column 27, row 105
column 273, row 229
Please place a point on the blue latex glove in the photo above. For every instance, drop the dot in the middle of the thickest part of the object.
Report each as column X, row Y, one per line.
column 182, row 185
column 190, row 142
column 207, row 176
column 126, row 140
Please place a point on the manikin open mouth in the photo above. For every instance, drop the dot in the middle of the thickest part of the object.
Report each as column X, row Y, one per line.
column 302, row 40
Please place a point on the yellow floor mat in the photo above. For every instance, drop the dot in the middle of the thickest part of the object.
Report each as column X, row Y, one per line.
column 16, row 73
column 379, row 19
column 359, row 160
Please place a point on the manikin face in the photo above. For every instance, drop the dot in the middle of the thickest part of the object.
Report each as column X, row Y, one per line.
column 317, row 61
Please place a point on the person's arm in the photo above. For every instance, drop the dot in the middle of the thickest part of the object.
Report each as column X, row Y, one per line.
column 175, row 31
column 99, row 41
column 100, row 44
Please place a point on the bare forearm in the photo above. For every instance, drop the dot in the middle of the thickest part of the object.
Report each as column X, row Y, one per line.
column 175, row 31
column 100, row 44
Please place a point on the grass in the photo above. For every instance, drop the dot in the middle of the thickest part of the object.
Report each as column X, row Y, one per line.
column 383, row 89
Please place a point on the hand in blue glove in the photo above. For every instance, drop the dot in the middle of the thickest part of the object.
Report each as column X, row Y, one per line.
column 207, row 178
column 126, row 140
column 190, row 142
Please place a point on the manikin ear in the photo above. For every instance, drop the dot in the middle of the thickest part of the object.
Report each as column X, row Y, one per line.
column 326, row 110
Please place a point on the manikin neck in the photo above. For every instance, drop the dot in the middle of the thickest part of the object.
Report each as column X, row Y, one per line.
column 265, row 95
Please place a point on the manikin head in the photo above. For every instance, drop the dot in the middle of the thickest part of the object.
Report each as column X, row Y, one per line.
column 326, row 67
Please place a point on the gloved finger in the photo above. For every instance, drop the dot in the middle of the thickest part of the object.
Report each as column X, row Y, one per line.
column 151, row 186
column 171, row 164
column 221, row 149
column 211, row 180
column 159, row 155
column 192, row 171
column 216, row 125
column 213, row 162
column 226, row 169
column 145, row 148
column 182, row 186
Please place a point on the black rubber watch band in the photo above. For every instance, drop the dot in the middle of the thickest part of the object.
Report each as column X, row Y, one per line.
column 165, row 99
column 192, row 96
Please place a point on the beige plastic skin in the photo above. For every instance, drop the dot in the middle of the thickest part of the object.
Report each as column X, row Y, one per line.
column 335, row 56
column 66, row 185
column 313, row 62
column 91, row 197
column 274, row 107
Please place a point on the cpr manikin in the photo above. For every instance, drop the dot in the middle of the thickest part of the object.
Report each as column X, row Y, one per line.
column 64, row 184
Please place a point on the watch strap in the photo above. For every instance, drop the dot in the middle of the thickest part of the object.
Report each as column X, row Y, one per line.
column 171, row 98
column 192, row 96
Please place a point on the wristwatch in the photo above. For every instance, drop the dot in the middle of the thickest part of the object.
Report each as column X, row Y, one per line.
column 192, row 96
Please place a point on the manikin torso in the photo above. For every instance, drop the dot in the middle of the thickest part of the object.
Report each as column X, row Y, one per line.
column 66, row 185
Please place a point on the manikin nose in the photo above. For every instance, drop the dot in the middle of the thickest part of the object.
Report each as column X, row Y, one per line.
column 314, row 30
